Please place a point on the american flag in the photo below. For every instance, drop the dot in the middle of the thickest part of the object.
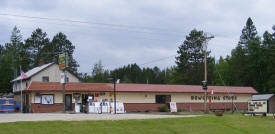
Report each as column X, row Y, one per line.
column 23, row 75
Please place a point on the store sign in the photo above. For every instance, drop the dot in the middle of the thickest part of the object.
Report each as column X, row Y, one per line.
column 62, row 78
column 214, row 97
column 62, row 61
column 173, row 107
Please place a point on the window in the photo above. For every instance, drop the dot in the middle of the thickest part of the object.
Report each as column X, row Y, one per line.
column 67, row 79
column 163, row 99
column 45, row 78
column 37, row 99
column 47, row 99
column 15, row 86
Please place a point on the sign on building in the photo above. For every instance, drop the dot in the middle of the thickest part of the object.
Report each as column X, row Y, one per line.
column 62, row 78
column 63, row 61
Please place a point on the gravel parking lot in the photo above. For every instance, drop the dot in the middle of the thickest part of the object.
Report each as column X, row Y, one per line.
column 79, row 117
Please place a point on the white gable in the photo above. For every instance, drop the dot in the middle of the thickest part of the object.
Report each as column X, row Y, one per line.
column 33, row 71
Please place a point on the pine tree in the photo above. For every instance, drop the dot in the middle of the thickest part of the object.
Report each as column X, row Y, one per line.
column 190, row 62
column 60, row 44
column 34, row 46
column 249, row 32
column 269, row 60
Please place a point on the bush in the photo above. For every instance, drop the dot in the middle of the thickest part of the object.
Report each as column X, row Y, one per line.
column 164, row 109
column 149, row 111
column 180, row 110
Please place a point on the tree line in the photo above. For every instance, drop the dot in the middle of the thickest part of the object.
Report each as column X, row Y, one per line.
column 30, row 52
column 251, row 62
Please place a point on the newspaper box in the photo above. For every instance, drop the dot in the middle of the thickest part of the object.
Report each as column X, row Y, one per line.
column 119, row 107
column 94, row 107
column 105, row 107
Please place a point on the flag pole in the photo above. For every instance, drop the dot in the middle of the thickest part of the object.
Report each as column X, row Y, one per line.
column 21, row 95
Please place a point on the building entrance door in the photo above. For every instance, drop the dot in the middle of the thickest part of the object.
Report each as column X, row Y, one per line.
column 68, row 102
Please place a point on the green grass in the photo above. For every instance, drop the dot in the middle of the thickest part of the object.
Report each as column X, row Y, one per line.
column 208, row 124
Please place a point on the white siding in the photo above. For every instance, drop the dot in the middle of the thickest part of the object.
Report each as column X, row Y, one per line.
column 52, row 72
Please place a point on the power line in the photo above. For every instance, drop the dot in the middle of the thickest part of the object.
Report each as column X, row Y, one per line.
column 127, row 27
column 157, row 60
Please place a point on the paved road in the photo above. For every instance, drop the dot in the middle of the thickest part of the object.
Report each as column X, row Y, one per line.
column 78, row 117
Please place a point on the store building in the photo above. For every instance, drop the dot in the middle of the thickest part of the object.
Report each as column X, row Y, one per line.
column 43, row 73
column 47, row 96
column 42, row 92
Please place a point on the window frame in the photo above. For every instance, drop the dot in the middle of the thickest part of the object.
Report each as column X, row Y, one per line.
column 47, row 95
column 40, row 99
column 45, row 77
column 164, row 99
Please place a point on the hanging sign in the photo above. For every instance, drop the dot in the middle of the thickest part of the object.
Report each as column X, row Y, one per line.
column 62, row 78
column 62, row 61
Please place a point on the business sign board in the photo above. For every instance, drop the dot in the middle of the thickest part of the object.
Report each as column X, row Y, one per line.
column 63, row 61
column 62, row 78
column 257, row 106
column 173, row 107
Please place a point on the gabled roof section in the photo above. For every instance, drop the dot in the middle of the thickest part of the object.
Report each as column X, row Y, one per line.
column 33, row 71
column 262, row 97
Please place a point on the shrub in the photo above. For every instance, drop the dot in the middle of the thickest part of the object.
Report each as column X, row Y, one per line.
column 164, row 109
column 180, row 110
column 148, row 111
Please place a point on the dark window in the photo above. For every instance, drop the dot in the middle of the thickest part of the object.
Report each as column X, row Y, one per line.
column 67, row 79
column 163, row 99
column 45, row 78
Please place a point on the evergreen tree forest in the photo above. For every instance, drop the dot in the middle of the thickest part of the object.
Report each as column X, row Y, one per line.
column 28, row 53
column 251, row 63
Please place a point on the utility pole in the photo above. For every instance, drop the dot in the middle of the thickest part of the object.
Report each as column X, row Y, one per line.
column 115, row 95
column 63, row 90
column 205, row 41
column 21, row 94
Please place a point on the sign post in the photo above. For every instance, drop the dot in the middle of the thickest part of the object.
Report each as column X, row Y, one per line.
column 173, row 107
column 231, row 96
column 62, row 66
column 204, row 87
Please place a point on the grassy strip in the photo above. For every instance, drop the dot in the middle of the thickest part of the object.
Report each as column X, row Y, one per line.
column 208, row 124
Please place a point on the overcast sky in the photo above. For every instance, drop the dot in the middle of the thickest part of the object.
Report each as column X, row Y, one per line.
column 120, row 32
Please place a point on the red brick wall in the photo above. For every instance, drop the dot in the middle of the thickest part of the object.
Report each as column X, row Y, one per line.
column 42, row 108
column 142, row 107
column 200, row 106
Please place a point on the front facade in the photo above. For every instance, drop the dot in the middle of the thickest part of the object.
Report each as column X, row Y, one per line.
column 45, row 73
column 136, row 97
column 42, row 92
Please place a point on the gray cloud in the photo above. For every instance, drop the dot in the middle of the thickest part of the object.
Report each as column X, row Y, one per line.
column 167, row 23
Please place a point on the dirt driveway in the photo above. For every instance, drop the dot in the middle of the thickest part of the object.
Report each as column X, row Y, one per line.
column 78, row 117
